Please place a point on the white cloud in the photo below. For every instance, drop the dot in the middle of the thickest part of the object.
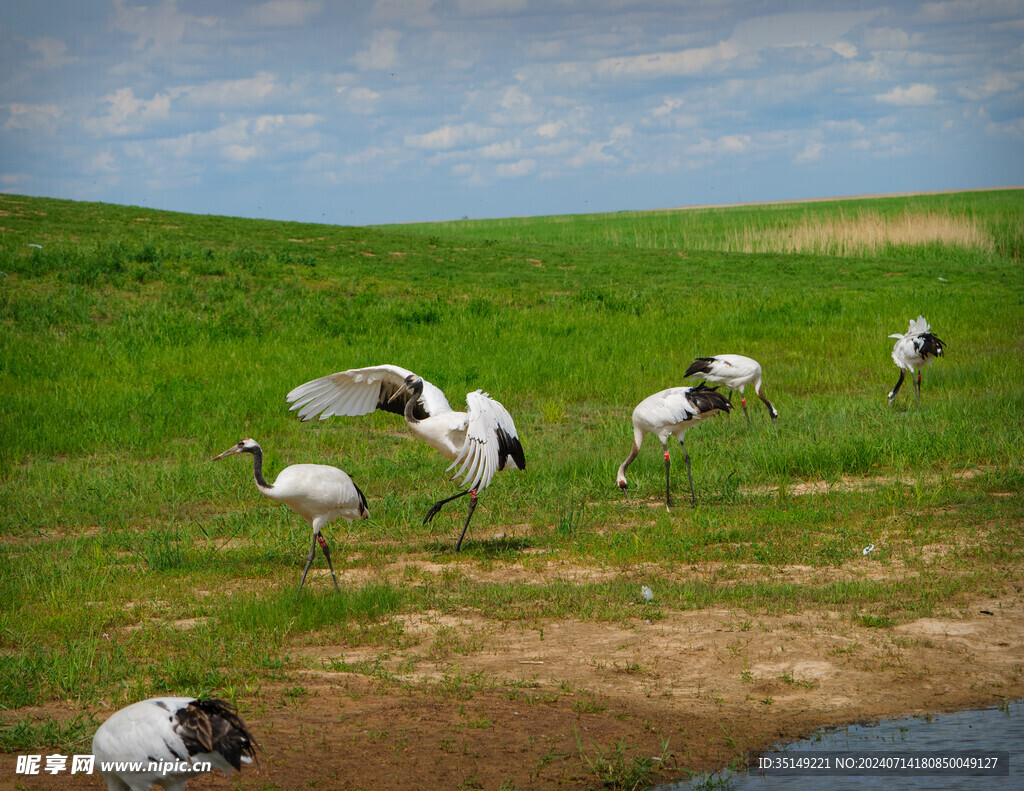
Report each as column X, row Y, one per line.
column 503, row 150
column 161, row 25
column 811, row 152
column 490, row 7
column 285, row 13
column 1013, row 128
column 364, row 156
column 550, row 129
column 913, row 95
column 237, row 153
column 667, row 106
column 844, row 49
column 103, row 162
column 452, row 136
column 52, row 51
column 415, row 13
column 232, row 93
column 666, row 64
column 809, row 29
column 590, row 154
column 988, row 87
column 10, row 181
column 727, row 144
column 33, row 117
column 852, row 127
column 360, row 100
column 381, row 52
column 516, row 169
column 127, row 114
column 888, row 38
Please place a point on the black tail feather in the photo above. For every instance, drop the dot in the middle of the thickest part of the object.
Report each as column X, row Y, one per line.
column 214, row 726
column 708, row 399
column 702, row 365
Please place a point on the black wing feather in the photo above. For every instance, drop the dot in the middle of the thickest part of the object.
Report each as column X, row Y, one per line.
column 509, row 447
column 702, row 365
column 707, row 399
column 213, row 726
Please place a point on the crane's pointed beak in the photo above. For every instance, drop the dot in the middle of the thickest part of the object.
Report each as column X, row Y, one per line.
column 398, row 392
column 229, row 452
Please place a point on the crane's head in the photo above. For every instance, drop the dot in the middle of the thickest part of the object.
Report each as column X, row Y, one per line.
column 412, row 383
column 246, row 445
column 622, row 483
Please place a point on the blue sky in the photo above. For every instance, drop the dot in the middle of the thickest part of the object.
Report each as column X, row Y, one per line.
column 405, row 110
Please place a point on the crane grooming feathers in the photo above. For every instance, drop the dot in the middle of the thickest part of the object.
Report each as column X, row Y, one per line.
column 168, row 736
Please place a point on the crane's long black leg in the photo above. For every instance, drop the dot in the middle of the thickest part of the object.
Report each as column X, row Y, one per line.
column 472, row 507
column 686, row 457
column 327, row 554
column 668, row 494
column 728, row 416
column 743, row 403
column 436, row 507
column 917, row 388
column 896, row 389
column 309, row 560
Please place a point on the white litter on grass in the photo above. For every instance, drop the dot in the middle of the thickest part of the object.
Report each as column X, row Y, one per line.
column 868, row 549
column 36, row 246
column 646, row 593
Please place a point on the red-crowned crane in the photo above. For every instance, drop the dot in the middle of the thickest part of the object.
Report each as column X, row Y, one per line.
column 318, row 493
column 912, row 350
column 480, row 441
column 158, row 741
column 735, row 372
column 668, row 414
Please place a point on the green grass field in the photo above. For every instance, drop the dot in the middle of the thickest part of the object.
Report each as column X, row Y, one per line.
column 137, row 344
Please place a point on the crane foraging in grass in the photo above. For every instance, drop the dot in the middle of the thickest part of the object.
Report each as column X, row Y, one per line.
column 158, row 741
column 911, row 351
column 735, row 372
column 670, row 413
column 480, row 441
column 318, row 493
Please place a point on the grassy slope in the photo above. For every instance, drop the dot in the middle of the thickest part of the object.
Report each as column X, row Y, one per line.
column 136, row 344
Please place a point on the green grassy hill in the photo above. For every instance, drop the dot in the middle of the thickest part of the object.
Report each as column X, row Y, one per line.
column 136, row 344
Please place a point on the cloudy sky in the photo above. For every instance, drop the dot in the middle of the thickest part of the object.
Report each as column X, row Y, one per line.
column 383, row 111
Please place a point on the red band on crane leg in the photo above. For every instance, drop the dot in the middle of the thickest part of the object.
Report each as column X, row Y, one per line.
column 743, row 402
column 472, row 493
column 666, row 455
column 321, row 542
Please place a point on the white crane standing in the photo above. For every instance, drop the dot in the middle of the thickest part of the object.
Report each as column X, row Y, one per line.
column 670, row 413
column 157, row 742
column 735, row 372
column 318, row 493
column 480, row 441
column 912, row 350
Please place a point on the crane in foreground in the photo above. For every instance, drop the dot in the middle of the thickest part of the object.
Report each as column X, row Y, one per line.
column 670, row 413
column 318, row 493
column 911, row 351
column 735, row 372
column 159, row 741
column 480, row 441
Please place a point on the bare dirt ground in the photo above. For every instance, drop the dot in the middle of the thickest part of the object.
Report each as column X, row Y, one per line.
column 474, row 704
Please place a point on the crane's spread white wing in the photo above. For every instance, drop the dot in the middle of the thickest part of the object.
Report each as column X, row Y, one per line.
column 918, row 326
column 359, row 391
column 491, row 442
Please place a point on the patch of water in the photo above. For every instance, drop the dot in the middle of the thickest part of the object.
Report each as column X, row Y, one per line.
column 991, row 732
